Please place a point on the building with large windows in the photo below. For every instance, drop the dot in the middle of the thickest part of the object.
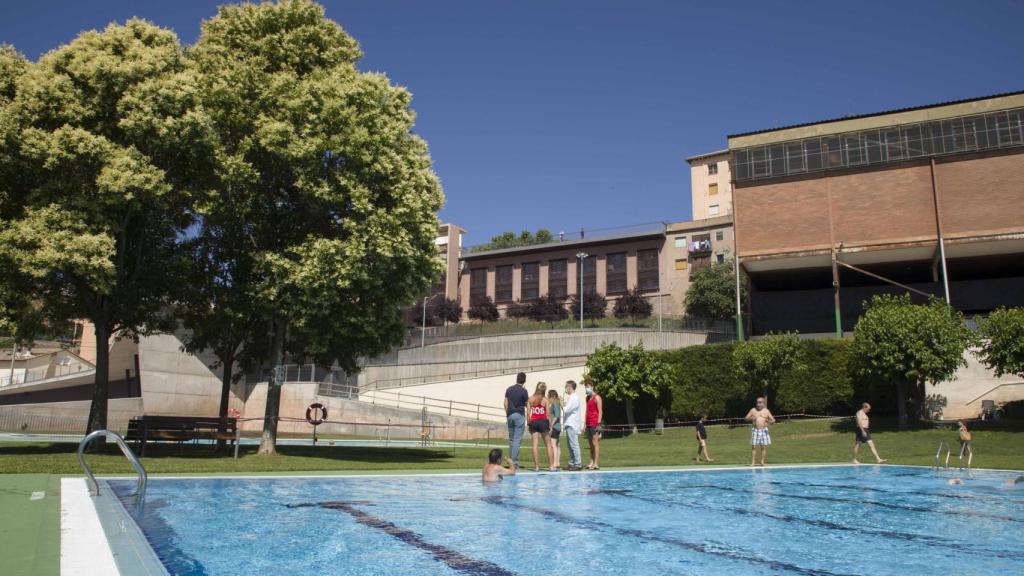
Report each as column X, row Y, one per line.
column 829, row 213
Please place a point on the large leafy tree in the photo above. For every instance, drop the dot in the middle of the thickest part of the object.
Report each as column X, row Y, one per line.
column 762, row 363
column 712, row 292
column 106, row 147
column 1001, row 341
column 318, row 160
column 623, row 374
column 910, row 345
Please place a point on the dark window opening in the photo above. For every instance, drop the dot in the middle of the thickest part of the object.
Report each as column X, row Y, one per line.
column 615, row 277
column 503, row 283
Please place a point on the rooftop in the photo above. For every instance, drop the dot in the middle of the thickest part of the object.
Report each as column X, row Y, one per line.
column 561, row 244
column 691, row 159
column 873, row 114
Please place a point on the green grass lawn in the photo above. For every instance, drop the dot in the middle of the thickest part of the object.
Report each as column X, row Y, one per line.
column 793, row 442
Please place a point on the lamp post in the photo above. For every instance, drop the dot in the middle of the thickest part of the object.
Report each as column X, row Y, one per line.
column 581, row 256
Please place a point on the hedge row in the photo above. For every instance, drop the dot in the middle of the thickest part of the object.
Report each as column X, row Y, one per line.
column 705, row 381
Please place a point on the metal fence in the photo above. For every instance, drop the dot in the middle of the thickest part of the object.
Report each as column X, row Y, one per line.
column 445, row 407
column 22, row 422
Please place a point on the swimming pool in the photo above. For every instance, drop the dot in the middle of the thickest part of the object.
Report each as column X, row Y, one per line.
column 816, row 521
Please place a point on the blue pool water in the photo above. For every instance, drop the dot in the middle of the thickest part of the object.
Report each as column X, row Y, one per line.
column 834, row 520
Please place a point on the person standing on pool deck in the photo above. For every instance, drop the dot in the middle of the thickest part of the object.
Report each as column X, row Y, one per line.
column 555, row 416
column 595, row 415
column 537, row 408
column 516, row 397
column 571, row 413
column 761, row 418
column 864, row 434
column 702, row 439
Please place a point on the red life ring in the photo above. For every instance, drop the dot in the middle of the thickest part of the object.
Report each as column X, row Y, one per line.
column 309, row 414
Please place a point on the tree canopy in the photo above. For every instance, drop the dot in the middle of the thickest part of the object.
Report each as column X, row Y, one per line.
column 624, row 374
column 762, row 363
column 712, row 292
column 906, row 344
column 512, row 240
column 1001, row 341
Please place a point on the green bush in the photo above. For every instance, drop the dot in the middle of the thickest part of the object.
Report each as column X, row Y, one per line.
column 822, row 383
column 704, row 381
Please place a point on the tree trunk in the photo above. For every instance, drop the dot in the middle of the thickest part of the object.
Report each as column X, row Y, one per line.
column 228, row 359
column 901, row 403
column 919, row 394
column 268, row 442
column 101, row 384
column 629, row 415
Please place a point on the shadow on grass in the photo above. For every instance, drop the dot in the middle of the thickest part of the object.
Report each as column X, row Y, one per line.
column 375, row 455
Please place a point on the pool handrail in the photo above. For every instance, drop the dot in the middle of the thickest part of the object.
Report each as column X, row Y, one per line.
column 94, row 487
column 942, row 444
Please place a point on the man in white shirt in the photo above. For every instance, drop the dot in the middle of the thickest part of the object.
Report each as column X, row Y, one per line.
column 571, row 414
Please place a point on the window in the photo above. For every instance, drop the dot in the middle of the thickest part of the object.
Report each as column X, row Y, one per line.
column 590, row 275
column 557, row 277
column 529, row 282
column 701, row 243
column 681, row 264
column 713, row 210
column 503, row 283
column 615, row 268
column 719, row 235
column 795, row 157
column 721, row 258
column 647, row 275
column 680, row 241
column 713, row 168
column 712, row 189
column 477, row 285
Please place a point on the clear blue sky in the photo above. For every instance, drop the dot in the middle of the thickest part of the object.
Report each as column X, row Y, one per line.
column 566, row 114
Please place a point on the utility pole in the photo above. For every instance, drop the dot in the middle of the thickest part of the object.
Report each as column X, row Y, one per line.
column 581, row 256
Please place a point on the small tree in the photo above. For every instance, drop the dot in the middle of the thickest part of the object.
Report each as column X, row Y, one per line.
column 447, row 310
column 625, row 374
column 483, row 309
column 549, row 309
column 763, row 362
column 1001, row 341
column 712, row 292
column 517, row 310
column 897, row 341
column 632, row 305
column 594, row 306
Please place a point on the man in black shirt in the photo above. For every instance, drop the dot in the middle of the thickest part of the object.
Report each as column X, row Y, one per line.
column 702, row 439
column 516, row 397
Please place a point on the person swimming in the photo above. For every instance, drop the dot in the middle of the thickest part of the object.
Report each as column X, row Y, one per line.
column 493, row 470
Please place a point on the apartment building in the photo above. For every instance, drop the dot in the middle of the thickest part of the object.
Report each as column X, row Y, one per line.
column 930, row 197
column 710, row 184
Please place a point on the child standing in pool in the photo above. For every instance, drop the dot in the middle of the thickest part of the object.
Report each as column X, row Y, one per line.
column 702, row 440
column 760, row 418
column 493, row 470
column 555, row 415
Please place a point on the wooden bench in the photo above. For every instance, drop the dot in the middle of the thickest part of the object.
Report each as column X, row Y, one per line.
column 155, row 428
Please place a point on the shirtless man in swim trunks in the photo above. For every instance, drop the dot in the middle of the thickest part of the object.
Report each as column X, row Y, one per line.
column 493, row 470
column 864, row 434
column 760, row 417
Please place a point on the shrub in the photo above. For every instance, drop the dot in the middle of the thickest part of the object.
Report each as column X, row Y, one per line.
column 821, row 383
column 483, row 309
column 517, row 310
column 632, row 305
column 448, row 310
column 548, row 309
column 594, row 306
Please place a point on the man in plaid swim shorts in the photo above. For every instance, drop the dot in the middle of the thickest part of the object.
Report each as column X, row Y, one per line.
column 760, row 417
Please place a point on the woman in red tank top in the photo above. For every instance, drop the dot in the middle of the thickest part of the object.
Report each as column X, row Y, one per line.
column 595, row 416
column 537, row 409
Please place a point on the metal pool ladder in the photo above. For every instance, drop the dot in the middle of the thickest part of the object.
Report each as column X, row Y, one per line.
column 942, row 444
column 94, row 489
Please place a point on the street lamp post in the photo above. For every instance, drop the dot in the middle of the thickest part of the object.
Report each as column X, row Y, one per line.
column 423, row 329
column 581, row 256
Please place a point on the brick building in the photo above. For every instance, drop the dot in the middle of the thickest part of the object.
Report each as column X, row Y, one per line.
column 930, row 197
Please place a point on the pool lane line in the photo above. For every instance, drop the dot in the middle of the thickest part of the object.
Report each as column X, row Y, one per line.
column 710, row 549
column 910, row 537
column 902, row 507
column 973, row 497
column 452, row 558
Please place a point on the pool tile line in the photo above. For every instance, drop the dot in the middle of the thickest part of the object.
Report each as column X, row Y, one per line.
column 452, row 558
column 710, row 549
column 973, row 497
column 902, row 507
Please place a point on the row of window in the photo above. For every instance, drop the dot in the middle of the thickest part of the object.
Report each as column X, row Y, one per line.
column 895, row 144
column 558, row 277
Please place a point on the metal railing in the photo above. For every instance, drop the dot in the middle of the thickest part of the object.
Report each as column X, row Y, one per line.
column 387, row 383
column 938, row 452
column 140, row 492
column 446, row 407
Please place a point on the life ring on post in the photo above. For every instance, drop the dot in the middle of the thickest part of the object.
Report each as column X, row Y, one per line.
column 316, row 421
